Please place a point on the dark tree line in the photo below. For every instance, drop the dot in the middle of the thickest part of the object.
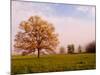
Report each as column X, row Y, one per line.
column 91, row 47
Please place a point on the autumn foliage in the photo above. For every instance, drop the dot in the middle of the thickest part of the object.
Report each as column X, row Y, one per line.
column 36, row 34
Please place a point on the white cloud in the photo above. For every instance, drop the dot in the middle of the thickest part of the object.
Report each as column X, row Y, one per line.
column 89, row 10
column 82, row 8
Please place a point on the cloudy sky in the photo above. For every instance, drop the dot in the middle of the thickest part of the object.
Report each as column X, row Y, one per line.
column 74, row 23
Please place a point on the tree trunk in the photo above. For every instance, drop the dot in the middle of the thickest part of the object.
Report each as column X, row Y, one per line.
column 38, row 53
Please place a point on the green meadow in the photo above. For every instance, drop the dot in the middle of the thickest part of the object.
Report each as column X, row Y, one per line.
column 52, row 63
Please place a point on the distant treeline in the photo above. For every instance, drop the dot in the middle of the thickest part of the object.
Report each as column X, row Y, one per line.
column 70, row 49
column 89, row 48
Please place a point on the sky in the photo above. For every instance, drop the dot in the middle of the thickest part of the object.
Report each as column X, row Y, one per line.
column 75, row 24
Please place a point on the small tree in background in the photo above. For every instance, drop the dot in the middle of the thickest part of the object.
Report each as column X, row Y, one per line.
column 62, row 50
column 73, row 48
column 36, row 34
column 79, row 49
column 91, row 47
column 70, row 48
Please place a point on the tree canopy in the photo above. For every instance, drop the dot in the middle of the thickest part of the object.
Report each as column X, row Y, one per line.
column 36, row 34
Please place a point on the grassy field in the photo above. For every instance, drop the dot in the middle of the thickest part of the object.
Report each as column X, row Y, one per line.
column 52, row 63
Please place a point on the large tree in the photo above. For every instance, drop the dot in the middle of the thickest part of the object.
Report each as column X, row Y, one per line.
column 36, row 34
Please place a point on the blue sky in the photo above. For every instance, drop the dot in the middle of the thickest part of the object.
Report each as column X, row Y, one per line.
column 58, row 9
column 74, row 23
column 69, row 10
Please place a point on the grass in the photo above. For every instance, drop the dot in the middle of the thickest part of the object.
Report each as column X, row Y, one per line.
column 52, row 63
